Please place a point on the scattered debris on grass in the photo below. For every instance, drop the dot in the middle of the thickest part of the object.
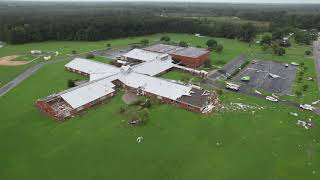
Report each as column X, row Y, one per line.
column 129, row 98
column 139, row 139
column 293, row 114
column 258, row 92
column 233, row 106
column 309, row 78
column 316, row 102
column 306, row 124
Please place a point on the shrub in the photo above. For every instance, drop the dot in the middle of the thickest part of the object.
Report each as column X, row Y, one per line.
column 298, row 93
column 122, row 110
column 207, row 64
column 307, row 53
column 90, row 56
column 165, row 38
column 144, row 116
column 212, row 44
column 183, row 44
column 219, row 48
column 144, row 42
column 108, row 45
column 146, row 104
column 220, row 92
column 264, row 47
column 74, row 52
column 71, row 83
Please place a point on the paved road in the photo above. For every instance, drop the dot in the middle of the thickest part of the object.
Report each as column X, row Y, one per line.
column 316, row 55
column 6, row 88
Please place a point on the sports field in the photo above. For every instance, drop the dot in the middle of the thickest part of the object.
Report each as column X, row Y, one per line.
column 260, row 141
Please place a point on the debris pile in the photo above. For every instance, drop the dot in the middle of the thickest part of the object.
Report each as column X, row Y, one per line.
column 293, row 114
column 139, row 139
column 233, row 106
column 306, row 124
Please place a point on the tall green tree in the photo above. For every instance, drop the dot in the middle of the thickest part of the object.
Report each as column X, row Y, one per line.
column 212, row 43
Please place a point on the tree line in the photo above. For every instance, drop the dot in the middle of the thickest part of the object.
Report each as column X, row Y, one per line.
column 82, row 26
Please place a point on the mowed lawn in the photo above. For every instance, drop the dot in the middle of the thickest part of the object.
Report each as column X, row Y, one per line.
column 178, row 144
column 65, row 48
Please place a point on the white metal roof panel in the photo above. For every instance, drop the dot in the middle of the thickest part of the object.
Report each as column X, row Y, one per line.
column 87, row 93
column 92, row 67
column 142, row 55
column 153, row 68
column 155, row 85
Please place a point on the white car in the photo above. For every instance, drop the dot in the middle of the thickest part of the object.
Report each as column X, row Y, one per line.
column 234, row 87
column 306, row 107
column 273, row 99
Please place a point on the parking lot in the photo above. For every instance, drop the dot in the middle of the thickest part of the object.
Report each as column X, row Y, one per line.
column 261, row 72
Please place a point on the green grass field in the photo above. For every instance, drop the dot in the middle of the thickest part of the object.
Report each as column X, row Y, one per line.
column 181, row 76
column 178, row 144
column 232, row 49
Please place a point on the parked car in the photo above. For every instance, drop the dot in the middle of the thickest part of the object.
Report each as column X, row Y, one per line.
column 232, row 86
column 306, row 107
column 271, row 98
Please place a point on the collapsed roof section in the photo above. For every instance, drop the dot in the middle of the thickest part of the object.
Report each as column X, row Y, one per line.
column 176, row 50
column 163, row 48
column 190, row 52
column 143, row 55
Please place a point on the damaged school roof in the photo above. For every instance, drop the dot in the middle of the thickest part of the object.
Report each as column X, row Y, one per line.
column 92, row 67
column 176, row 50
column 190, row 52
column 88, row 92
column 143, row 55
column 155, row 85
column 138, row 76
column 162, row 48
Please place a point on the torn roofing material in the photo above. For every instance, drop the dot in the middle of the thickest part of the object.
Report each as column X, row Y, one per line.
column 190, row 52
column 162, row 48
column 143, row 55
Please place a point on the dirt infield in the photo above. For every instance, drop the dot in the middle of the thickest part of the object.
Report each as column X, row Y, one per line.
column 9, row 61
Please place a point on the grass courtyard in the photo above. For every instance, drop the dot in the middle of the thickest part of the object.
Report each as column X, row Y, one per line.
column 178, row 144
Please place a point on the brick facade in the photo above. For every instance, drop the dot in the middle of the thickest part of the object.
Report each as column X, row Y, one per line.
column 190, row 61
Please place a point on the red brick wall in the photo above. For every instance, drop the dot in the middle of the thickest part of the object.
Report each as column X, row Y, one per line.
column 192, row 62
column 46, row 108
